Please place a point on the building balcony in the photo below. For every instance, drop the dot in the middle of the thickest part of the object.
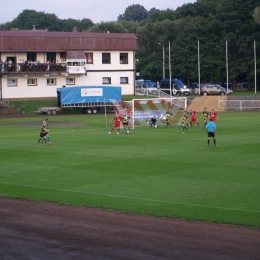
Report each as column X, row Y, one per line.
column 33, row 68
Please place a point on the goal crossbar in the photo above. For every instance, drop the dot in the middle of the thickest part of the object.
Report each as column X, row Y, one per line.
column 144, row 109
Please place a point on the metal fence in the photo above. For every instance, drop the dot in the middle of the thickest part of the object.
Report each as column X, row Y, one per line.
column 32, row 67
column 240, row 103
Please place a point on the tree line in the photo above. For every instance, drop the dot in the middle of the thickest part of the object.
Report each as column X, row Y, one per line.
column 212, row 25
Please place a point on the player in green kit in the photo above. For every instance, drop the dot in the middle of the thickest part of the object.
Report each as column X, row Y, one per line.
column 126, row 124
column 46, row 122
column 43, row 134
column 205, row 115
column 168, row 118
column 185, row 121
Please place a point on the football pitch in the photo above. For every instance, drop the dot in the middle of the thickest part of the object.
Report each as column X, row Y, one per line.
column 159, row 172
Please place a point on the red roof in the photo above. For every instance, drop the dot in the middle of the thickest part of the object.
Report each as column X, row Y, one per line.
column 64, row 41
column 75, row 55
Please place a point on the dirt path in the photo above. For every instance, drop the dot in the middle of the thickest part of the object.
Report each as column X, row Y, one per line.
column 34, row 230
column 210, row 102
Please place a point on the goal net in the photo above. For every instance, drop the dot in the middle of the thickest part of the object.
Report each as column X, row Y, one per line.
column 141, row 110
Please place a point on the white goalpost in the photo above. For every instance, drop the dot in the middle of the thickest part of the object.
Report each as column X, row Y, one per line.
column 141, row 110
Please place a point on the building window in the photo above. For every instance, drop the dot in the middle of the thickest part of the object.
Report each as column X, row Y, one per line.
column 106, row 80
column 51, row 56
column 70, row 81
column 63, row 56
column 31, row 56
column 76, row 63
column 31, row 82
column 89, row 57
column 73, row 63
column 123, row 58
column 106, row 58
column 51, row 82
column 123, row 80
column 11, row 82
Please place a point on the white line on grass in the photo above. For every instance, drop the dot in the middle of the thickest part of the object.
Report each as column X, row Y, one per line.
column 126, row 197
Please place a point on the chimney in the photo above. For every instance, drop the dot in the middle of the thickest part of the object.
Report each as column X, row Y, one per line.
column 75, row 29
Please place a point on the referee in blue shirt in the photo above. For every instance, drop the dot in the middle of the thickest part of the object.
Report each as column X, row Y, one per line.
column 211, row 130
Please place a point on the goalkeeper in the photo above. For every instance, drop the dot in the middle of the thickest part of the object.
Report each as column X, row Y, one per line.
column 126, row 119
column 153, row 121
column 168, row 118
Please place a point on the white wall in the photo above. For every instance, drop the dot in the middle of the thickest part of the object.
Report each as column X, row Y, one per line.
column 22, row 90
column 41, row 90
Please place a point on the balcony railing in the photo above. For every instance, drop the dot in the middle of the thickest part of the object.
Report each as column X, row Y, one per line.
column 32, row 67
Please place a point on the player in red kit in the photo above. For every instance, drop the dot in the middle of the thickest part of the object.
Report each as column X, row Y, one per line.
column 117, row 123
column 213, row 115
column 193, row 118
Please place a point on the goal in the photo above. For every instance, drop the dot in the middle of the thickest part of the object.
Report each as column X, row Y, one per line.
column 141, row 110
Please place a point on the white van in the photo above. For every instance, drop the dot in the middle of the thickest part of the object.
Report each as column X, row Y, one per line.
column 178, row 88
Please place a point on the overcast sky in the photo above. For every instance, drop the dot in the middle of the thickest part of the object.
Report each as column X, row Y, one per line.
column 95, row 10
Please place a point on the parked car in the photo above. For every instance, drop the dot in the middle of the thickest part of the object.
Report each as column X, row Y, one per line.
column 210, row 89
column 229, row 91
column 177, row 86
column 146, row 86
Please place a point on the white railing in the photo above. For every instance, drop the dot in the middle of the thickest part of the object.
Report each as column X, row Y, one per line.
column 239, row 105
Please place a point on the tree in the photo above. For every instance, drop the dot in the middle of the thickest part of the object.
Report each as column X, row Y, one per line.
column 113, row 27
column 69, row 24
column 185, row 10
column 150, row 53
column 130, row 26
column 256, row 15
column 84, row 24
column 6, row 26
column 153, row 15
column 94, row 28
column 29, row 19
column 185, row 51
column 135, row 13
column 167, row 14
column 238, row 27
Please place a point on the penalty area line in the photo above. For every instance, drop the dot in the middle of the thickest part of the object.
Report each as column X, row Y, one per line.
column 128, row 197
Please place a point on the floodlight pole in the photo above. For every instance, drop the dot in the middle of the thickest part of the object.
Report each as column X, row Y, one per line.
column 255, row 64
column 163, row 60
column 227, row 62
column 170, row 69
column 199, row 64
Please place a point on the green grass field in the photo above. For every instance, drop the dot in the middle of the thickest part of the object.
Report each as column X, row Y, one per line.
column 159, row 172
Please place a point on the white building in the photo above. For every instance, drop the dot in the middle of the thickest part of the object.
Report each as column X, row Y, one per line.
column 34, row 63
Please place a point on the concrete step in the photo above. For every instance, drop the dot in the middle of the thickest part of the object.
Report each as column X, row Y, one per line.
column 7, row 109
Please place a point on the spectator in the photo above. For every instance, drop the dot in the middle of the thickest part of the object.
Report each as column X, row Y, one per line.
column 158, row 84
column 1, row 65
column 10, row 65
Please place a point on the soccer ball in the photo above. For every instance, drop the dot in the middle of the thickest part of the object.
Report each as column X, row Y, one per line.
column 127, row 132
column 156, row 126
